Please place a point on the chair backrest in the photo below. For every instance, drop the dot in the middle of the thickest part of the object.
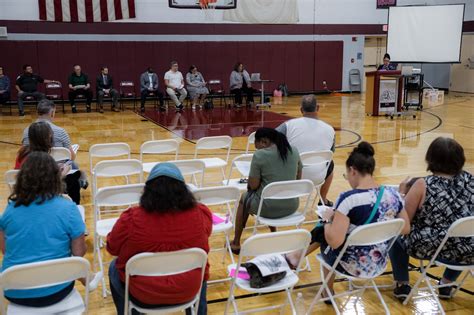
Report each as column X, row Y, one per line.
column 159, row 146
column 375, row 233
column 239, row 158
column 60, row 154
column 108, row 150
column 212, row 196
column 213, row 143
column 116, row 196
column 250, row 140
column 463, row 227
column 10, row 178
column 287, row 189
column 127, row 87
column 46, row 273
column 53, row 86
column 164, row 264
column 116, row 168
column 191, row 168
column 276, row 243
column 315, row 157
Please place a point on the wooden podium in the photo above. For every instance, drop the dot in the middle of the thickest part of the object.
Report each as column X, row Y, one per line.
column 383, row 93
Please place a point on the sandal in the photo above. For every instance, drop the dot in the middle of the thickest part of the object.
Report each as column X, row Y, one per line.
column 235, row 249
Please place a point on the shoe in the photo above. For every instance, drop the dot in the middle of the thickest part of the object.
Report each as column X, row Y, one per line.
column 22, row 113
column 193, row 107
column 445, row 293
column 238, row 105
column 94, row 282
column 402, row 291
column 142, row 109
column 115, row 109
column 162, row 109
column 88, row 109
column 83, row 183
column 328, row 203
column 179, row 107
column 74, row 109
column 101, row 110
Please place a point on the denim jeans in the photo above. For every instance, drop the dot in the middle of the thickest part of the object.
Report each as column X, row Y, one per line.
column 118, row 293
column 399, row 259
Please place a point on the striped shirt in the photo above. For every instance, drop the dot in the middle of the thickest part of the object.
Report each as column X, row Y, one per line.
column 60, row 136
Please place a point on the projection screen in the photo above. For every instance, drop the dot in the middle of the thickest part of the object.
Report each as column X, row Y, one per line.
column 425, row 33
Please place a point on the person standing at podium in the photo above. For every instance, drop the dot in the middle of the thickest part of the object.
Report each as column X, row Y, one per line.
column 387, row 65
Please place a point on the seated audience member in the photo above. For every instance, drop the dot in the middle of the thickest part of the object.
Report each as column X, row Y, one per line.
column 354, row 208
column 46, row 112
column 309, row 133
column 79, row 85
column 39, row 224
column 105, row 86
column 433, row 203
column 196, row 86
column 27, row 86
column 275, row 160
column 149, row 86
column 40, row 137
column 4, row 87
column 174, row 83
column 167, row 219
column 240, row 84
column 387, row 65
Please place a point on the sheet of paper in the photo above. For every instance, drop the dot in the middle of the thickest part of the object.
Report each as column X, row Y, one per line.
column 217, row 219
column 270, row 264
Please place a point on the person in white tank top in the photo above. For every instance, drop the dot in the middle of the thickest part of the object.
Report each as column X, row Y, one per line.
column 309, row 133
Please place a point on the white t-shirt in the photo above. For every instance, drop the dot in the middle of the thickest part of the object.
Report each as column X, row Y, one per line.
column 175, row 79
column 308, row 134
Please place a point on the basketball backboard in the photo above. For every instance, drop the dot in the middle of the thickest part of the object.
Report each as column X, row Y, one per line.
column 196, row 4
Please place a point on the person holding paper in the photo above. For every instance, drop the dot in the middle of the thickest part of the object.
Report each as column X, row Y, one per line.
column 367, row 202
column 168, row 218
column 79, row 85
column 387, row 65
column 174, row 83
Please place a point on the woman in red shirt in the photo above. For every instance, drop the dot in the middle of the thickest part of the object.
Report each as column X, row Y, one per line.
column 167, row 219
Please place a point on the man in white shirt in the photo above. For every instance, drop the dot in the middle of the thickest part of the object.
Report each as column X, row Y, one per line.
column 309, row 133
column 174, row 82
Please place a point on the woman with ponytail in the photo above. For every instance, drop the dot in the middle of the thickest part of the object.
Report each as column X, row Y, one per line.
column 275, row 160
column 365, row 203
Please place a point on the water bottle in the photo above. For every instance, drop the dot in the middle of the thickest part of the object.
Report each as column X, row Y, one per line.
column 299, row 304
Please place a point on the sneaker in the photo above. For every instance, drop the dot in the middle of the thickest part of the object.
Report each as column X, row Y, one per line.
column 179, row 107
column 194, row 107
column 445, row 293
column 142, row 109
column 402, row 291
column 162, row 109
column 74, row 109
column 22, row 113
column 115, row 109
column 88, row 109
column 328, row 203
column 101, row 110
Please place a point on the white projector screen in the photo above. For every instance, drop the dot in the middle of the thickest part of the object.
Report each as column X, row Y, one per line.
column 425, row 33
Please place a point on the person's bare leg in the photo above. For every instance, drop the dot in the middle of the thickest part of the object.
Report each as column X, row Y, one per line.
column 241, row 218
column 294, row 257
column 325, row 187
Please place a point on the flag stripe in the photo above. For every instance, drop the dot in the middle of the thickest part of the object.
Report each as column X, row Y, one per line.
column 81, row 10
column 120, row 8
column 73, row 9
column 66, row 10
column 96, row 10
column 104, row 11
column 131, row 8
column 42, row 9
column 89, row 11
column 111, row 9
column 58, row 11
column 50, row 10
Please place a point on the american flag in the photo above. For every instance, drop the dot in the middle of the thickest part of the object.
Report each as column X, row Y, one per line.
column 86, row 10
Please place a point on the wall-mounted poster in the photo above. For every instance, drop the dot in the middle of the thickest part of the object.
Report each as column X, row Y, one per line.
column 385, row 4
column 197, row 4
column 388, row 94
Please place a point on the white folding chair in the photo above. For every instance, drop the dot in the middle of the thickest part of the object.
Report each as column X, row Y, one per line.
column 240, row 163
column 250, row 140
column 214, row 143
column 45, row 274
column 263, row 244
column 107, row 197
column 116, row 168
column 158, row 147
column 215, row 196
column 315, row 167
column 10, row 178
column 193, row 168
column 281, row 191
column 460, row 228
column 162, row 265
column 365, row 235
column 108, row 150
column 60, row 154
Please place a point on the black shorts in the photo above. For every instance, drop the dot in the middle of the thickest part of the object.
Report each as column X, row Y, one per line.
column 330, row 169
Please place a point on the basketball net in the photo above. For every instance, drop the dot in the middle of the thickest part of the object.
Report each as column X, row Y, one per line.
column 209, row 8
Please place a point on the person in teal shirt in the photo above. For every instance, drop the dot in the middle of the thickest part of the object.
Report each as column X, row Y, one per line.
column 40, row 224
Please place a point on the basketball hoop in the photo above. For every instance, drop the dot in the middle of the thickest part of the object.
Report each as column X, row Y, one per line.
column 209, row 8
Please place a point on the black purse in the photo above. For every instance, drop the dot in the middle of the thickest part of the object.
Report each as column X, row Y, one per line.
column 259, row 281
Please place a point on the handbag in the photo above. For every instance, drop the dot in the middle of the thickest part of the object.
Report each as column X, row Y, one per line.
column 257, row 279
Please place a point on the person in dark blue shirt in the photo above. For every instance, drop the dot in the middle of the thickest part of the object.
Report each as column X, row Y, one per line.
column 387, row 65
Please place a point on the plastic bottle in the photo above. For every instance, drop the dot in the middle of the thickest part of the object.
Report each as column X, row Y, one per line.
column 299, row 304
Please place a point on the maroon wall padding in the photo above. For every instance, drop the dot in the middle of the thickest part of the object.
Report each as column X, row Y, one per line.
column 301, row 65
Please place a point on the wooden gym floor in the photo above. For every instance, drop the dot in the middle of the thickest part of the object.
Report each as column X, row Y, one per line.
column 400, row 146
